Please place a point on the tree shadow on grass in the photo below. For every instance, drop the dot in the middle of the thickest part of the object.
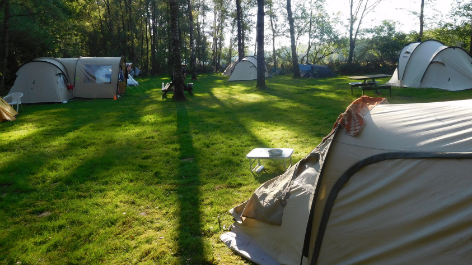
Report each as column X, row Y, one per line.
column 190, row 242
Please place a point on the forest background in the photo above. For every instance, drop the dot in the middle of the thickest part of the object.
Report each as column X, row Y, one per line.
column 140, row 31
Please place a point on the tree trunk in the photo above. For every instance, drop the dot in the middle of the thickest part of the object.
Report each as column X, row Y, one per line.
column 123, row 35
column 295, row 67
column 178, row 80
column 110, row 26
column 470, row 46
column 131, row 53
column 271, row 16
column 421, row 21
column 148, row 26
column 240, row 30
column 220, row 36
column 102, row 30
column 6, row 29
column 231, row 44
column 351, row 32
column 353, row 16
column 260, row 46
column 309, row 35
column 199, row 54
column 153, row 31
column 193, row 59
column 215, row 40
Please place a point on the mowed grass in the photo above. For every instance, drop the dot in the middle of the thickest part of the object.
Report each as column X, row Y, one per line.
column 148, row 180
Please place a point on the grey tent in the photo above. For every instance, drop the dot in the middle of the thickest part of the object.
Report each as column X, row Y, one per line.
column 243, row 70
column 389, row 185
column 48, row 79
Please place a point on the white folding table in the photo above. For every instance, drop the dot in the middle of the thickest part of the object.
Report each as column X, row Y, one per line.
column 263, row 153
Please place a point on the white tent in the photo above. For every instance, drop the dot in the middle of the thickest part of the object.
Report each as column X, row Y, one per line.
column 131, row 81
column 431, row 64
column 389, row 185
column 246, row 69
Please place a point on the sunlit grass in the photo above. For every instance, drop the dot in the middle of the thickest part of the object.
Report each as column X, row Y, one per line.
column 146, row 180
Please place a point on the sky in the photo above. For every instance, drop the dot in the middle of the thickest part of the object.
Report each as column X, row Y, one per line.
column 396, row 10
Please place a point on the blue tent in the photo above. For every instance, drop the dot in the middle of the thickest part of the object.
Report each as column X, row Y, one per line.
column 315, row 71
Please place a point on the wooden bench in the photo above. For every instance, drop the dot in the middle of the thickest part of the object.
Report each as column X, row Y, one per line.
column 355, row 84
column 375, row 87
column 170, row 88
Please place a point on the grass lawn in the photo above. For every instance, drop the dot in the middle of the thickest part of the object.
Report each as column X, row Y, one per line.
column 147, row 180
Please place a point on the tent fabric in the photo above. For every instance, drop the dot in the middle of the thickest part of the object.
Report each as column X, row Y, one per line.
column 131, row 81
column 323, row 71
column 7, row 113
column 431, row 64
column 42, row 80
column 398, row 192
column 244, row 70
column 313, row 70
column 97, row 77
column 45, row 79
column 304, row 67
column 230, row 68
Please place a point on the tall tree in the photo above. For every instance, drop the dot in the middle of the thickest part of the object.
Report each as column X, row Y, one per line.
column 178, row 78
column 193, row 60
column 274, row 32
column 463, row 15
column 357, row 12
column 6, row 26
column 295, row 66
column 240, row 30
column 260, row 46
column 421, row 20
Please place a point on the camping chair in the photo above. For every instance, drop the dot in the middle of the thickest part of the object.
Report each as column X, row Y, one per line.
column 14, row 99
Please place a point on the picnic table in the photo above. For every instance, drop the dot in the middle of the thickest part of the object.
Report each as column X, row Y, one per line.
column 263, row 153
column 369, row 83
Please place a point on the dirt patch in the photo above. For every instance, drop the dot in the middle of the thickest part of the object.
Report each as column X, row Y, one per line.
column 44, row 214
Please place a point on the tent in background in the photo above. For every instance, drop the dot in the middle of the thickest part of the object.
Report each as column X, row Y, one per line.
column 47, row 79
column 306, row 71
column 7, row 113
column 246, row 69
column 323, row 71
column 431, row 64
column 315, row 71
column 131, row 81
column 389, row 185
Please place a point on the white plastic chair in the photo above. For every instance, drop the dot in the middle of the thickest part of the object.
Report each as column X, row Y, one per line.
column 14, row 99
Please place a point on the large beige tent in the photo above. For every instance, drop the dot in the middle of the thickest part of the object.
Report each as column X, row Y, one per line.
column 389, row 185
column 47, row 79
column 431, row 64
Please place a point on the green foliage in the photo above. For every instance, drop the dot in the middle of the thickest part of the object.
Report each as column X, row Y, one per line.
column 384, row 45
